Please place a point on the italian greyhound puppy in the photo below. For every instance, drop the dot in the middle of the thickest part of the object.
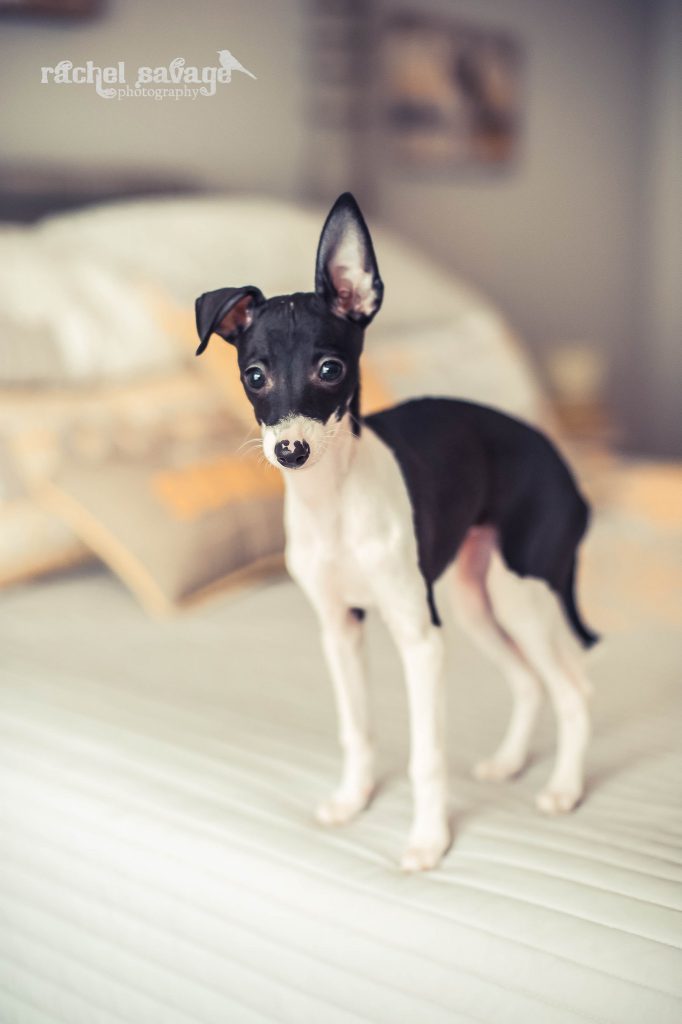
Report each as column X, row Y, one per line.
column 378, row 508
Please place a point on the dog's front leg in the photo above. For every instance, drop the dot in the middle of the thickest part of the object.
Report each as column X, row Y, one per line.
column 342, row 640
column 421, row 650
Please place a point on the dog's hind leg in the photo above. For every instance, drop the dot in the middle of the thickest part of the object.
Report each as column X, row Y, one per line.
column 532, row 615
column 474, row 613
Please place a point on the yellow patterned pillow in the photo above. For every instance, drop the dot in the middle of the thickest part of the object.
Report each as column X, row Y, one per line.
column 151, row 476
column 179, row 521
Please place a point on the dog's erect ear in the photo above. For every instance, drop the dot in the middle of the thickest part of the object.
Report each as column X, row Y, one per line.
column 227, row 312
column 346, row 272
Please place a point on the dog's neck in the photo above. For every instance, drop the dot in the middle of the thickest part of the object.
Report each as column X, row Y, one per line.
column 319, row 484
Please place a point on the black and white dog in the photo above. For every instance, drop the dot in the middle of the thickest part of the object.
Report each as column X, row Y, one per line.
column 378, row 508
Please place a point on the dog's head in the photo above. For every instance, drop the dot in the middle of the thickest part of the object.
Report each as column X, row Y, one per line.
column 299, row 354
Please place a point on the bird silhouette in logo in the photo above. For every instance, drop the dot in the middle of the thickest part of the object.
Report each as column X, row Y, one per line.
column 229, row 61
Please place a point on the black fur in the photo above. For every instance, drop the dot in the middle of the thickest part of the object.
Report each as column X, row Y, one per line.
column 213, row 313
column 289, row 335
column 466, row 465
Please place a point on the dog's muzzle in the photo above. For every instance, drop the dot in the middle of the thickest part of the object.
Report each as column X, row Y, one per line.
column 292, row 455
column 295, row 442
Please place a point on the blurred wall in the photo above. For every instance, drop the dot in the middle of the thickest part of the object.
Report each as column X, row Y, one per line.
column 552, row 239
column 652, row 376
column 249, row 135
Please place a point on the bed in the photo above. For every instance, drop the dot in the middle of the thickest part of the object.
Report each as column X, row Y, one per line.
column 160, row 863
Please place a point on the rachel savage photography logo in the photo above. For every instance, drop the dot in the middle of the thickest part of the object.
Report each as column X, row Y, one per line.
column 176, row 81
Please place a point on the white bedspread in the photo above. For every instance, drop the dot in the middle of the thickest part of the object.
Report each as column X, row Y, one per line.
column 160, row 863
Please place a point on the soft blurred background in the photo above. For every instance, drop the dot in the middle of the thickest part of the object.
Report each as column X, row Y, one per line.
column 574, row 233
column 520, row 165
column 529, row 150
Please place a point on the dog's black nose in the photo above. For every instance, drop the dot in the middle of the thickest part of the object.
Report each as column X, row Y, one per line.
column 294, row 457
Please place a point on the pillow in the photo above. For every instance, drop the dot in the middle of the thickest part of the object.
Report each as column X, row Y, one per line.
column 474, row 357
column 189, row 245
column 70, row 316
column 33, row 542
column 178, row 523
column 52, row 434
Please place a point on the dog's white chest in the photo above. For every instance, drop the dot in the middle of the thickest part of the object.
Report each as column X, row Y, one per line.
column 345, row 528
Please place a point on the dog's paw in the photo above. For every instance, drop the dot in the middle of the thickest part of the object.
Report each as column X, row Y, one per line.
column 553, row 800
column 497, row 769
column 342, row 808
column 423, row 854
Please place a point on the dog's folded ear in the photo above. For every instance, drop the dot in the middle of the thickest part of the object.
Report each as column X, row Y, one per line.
column 346, row 272
column 227, row 312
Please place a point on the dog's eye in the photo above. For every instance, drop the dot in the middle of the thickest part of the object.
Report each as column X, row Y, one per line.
column 254, row 377
column 331, row 371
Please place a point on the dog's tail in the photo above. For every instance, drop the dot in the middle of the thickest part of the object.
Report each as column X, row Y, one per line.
column 587, row 637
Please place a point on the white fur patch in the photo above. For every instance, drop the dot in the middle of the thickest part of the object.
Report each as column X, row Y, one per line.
column 294, row 428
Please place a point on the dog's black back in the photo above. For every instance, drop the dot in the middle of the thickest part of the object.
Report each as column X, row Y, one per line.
column 466, row 465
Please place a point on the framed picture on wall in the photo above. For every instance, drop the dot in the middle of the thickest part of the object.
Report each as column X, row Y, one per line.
column 450, row 93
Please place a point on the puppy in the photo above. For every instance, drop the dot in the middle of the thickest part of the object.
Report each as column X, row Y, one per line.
column 378, row 508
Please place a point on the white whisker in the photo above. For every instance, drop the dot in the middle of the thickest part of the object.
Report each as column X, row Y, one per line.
column 251, row 442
